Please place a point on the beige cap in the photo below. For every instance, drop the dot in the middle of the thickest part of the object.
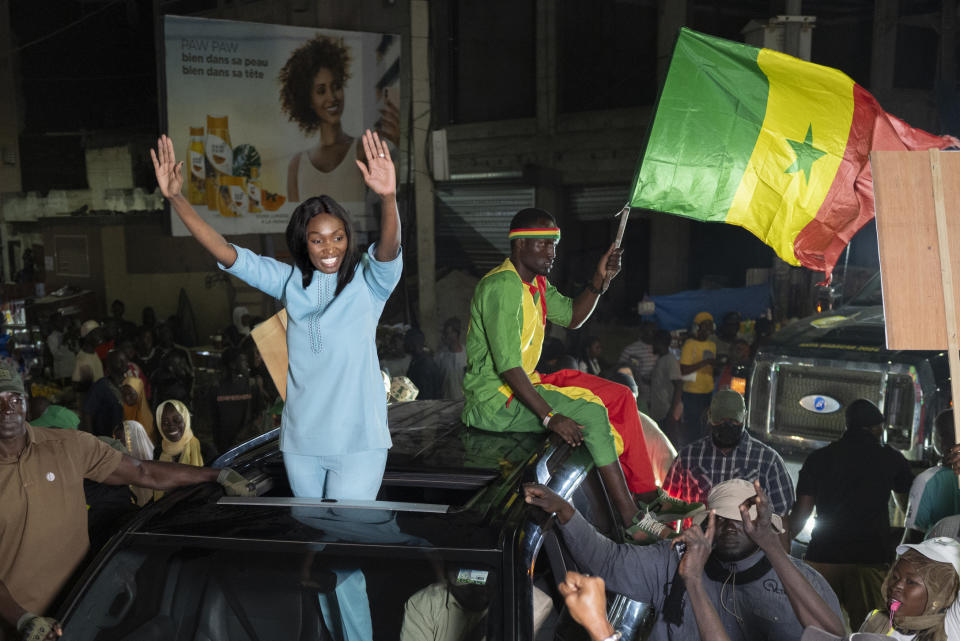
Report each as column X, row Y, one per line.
column 725, row 498
column 87, row 327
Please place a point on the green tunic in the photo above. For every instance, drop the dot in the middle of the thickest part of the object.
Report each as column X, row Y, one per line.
column 506, row 331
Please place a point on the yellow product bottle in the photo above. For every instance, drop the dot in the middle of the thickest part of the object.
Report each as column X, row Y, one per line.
column 253, row 190
column 232, row 200
column 219, row 156
column 196, row 188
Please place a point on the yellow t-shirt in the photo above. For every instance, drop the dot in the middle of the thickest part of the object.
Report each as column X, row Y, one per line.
column 694, row 351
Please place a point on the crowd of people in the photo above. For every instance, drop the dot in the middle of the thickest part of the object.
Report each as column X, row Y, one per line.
column 106, row 372
column 728, row 574
column 707, row 511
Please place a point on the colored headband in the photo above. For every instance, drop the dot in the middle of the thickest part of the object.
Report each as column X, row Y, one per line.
column 537, row 232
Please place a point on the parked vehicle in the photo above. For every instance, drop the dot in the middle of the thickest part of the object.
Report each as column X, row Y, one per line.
column 199, row 566
column 811, row 370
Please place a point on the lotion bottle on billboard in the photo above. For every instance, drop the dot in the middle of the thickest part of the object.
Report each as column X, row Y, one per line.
column 232, row 201
column 196, row 181
column 253, row 190
column 219, row 155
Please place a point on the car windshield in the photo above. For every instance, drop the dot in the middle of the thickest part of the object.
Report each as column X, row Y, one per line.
column 216, row 591
column 870, row 295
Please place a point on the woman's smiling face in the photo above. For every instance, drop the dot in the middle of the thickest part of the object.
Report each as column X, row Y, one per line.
column 171, row 424
column 326, row 242
column 326, row 97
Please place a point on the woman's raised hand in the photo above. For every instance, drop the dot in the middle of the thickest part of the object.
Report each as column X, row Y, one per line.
column 169, row 171
column 379, row 172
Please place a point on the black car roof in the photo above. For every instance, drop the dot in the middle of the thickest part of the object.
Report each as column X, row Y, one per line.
column 435, row 459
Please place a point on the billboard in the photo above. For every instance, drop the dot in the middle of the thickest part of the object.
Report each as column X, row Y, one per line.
column 265, row 116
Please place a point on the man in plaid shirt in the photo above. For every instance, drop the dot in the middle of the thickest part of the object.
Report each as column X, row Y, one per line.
column 729, row 452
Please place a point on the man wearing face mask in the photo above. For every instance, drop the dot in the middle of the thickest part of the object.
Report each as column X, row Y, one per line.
column 849, row 482
column 728, row 452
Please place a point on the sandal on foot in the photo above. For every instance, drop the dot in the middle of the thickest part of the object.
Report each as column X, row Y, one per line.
column 666, row 509
column 649, row 529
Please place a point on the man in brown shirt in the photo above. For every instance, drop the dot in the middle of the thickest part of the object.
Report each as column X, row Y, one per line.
column 43, row 522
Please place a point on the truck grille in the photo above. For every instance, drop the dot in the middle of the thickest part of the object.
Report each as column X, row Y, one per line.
column 796, row 381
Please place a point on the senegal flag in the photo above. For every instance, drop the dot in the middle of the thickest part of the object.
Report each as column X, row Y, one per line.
column 760, row 139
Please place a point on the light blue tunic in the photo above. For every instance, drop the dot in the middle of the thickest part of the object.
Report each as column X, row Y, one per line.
column 336, row 403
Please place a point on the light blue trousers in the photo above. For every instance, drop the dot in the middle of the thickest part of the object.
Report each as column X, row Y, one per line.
column 344, row 476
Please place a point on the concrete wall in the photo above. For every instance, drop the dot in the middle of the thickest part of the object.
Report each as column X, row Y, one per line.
column 161, row 291
column 110, row 278
column 111, row 188
column 133, row 258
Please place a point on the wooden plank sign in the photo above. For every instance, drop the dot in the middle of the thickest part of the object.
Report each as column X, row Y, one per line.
column 271, row 339
column 918, row 228
column 909, row 242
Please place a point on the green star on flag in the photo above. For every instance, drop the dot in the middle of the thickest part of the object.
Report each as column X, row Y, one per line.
column 717, row 147
column 806, row 153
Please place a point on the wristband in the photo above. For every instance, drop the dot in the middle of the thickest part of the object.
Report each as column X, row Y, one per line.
column 614, row 637
column 546, row 419
column 593, row 289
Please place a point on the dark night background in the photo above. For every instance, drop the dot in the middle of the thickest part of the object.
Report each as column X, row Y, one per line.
column 88, row 69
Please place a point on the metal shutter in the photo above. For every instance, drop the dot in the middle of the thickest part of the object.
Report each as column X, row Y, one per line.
column 596, row 202
column 472, row 223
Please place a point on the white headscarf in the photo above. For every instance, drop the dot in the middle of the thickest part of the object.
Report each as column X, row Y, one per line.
column 138, row 443
column 141, row 447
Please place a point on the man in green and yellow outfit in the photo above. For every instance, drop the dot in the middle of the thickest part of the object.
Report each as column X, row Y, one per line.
column 503, row 392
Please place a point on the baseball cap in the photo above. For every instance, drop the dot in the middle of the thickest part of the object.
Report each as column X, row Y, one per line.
column 863, row 413
column 10, row 380
column 725, row 499
column 702, row 316
column 727, row 405
column 940, row 548
column 87, row 327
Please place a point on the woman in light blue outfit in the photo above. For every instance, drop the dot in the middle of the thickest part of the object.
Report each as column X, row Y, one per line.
column 334, row 435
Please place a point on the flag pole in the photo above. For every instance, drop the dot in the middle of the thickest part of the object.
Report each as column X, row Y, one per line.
column 946, row 277
column 624, row 215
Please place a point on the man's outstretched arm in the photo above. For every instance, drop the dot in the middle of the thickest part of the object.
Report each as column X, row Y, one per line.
column 607, row 269
column 158, row 475
column 635, row 571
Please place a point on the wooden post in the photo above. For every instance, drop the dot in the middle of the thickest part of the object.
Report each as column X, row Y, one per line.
column 423, row 181
column 946, row 276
